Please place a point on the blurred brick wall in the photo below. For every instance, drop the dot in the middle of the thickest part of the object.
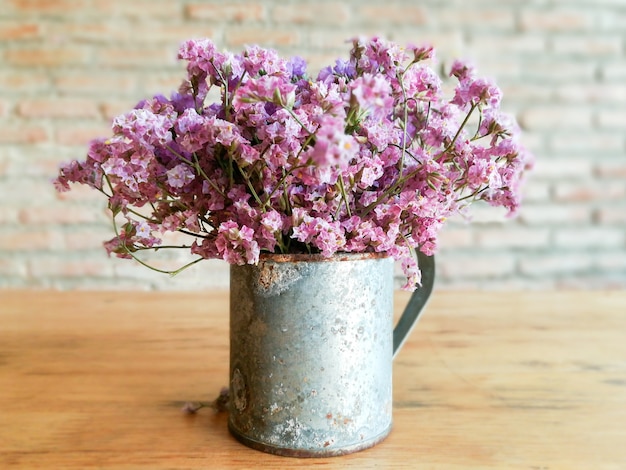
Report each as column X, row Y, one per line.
column 68, row 66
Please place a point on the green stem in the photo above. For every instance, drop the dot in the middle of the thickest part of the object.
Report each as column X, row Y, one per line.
column 404, row 178
column 282, row 180
column 344, row 197
column 132, row 255
column 474, row 194
column 161, row 247
column 197, row 167
column 143, row 263
column 405, row 119
column 251, row 187
column 293, row 115
column 401, row 178
column 458, row 132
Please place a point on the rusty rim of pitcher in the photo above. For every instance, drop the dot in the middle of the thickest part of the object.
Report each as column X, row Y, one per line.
column 319, row 257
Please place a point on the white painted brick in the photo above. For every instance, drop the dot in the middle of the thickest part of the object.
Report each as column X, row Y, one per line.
column 589, row 238
column 590, row 191
column 456, row 237
column 587, row 143
column 556, row 20
column 594, row 281
column 614, row 71
column 537, row 191
column 611, row 169
column 581, row 93
column 563, row 168
column 513, row 236
column 593, row 45
column 611, row 214
column 614, row 119
column 550, row 214
column 551, row 71
column 560, row 64
column 465, row 266
column 555, row 263
column 524, row 92
column 556, row 117
column 489, row 18
column 14, row 267
column 500, row 46
column 611, row 261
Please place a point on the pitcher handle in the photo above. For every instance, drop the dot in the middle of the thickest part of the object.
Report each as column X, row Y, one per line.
column 417, row 302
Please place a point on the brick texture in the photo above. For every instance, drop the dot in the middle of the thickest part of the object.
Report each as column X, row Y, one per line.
column 70, row 66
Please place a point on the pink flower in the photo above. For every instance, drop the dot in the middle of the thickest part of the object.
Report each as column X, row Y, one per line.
column 462, row 70
column 236, row 245
column 411, row 270
column 369, row 156
column 373, row 95
column 473, row 91
column 143, row 230
column 330, row 239
column 267, row 61
column 424, row 52
column 326, row 236
column 333, row 150
column 193, row 130
column 423, row 83
column 180, row 176
column 272, row 221
column 268, row 88
column 145, row 127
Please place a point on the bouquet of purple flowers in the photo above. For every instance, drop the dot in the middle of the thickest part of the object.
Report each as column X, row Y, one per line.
column 369, row 156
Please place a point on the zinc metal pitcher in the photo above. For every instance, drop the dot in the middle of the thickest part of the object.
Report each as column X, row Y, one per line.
column 311, row 349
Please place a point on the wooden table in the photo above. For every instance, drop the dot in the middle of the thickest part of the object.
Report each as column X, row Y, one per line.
column 487, row 380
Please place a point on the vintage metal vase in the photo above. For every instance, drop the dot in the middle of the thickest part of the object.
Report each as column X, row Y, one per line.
column 311, row 349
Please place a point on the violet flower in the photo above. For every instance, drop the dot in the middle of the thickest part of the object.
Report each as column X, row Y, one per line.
column 369, row 156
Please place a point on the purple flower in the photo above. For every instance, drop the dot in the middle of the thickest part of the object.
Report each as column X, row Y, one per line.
column 179, row 176
column 296, row 67
column 425, row 52
column 192, row 129
column 462, row 70
column 258, row 61
column 144, row 127
column 236, row 245
column 422, row 83
column 373, row 95
column 267, row 88
column 333, row 150
column 345, row 68
column 370, row 156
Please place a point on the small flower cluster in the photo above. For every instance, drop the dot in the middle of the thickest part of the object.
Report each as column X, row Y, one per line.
column 369, row 156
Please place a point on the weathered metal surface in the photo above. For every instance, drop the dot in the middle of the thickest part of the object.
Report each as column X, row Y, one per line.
column 417, row 302
column 311, row 345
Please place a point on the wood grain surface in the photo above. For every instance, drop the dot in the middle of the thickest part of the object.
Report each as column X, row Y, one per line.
column 532, row 380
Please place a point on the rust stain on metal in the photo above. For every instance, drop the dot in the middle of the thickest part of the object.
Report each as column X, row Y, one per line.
column 267, row 276
column 318, row 257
